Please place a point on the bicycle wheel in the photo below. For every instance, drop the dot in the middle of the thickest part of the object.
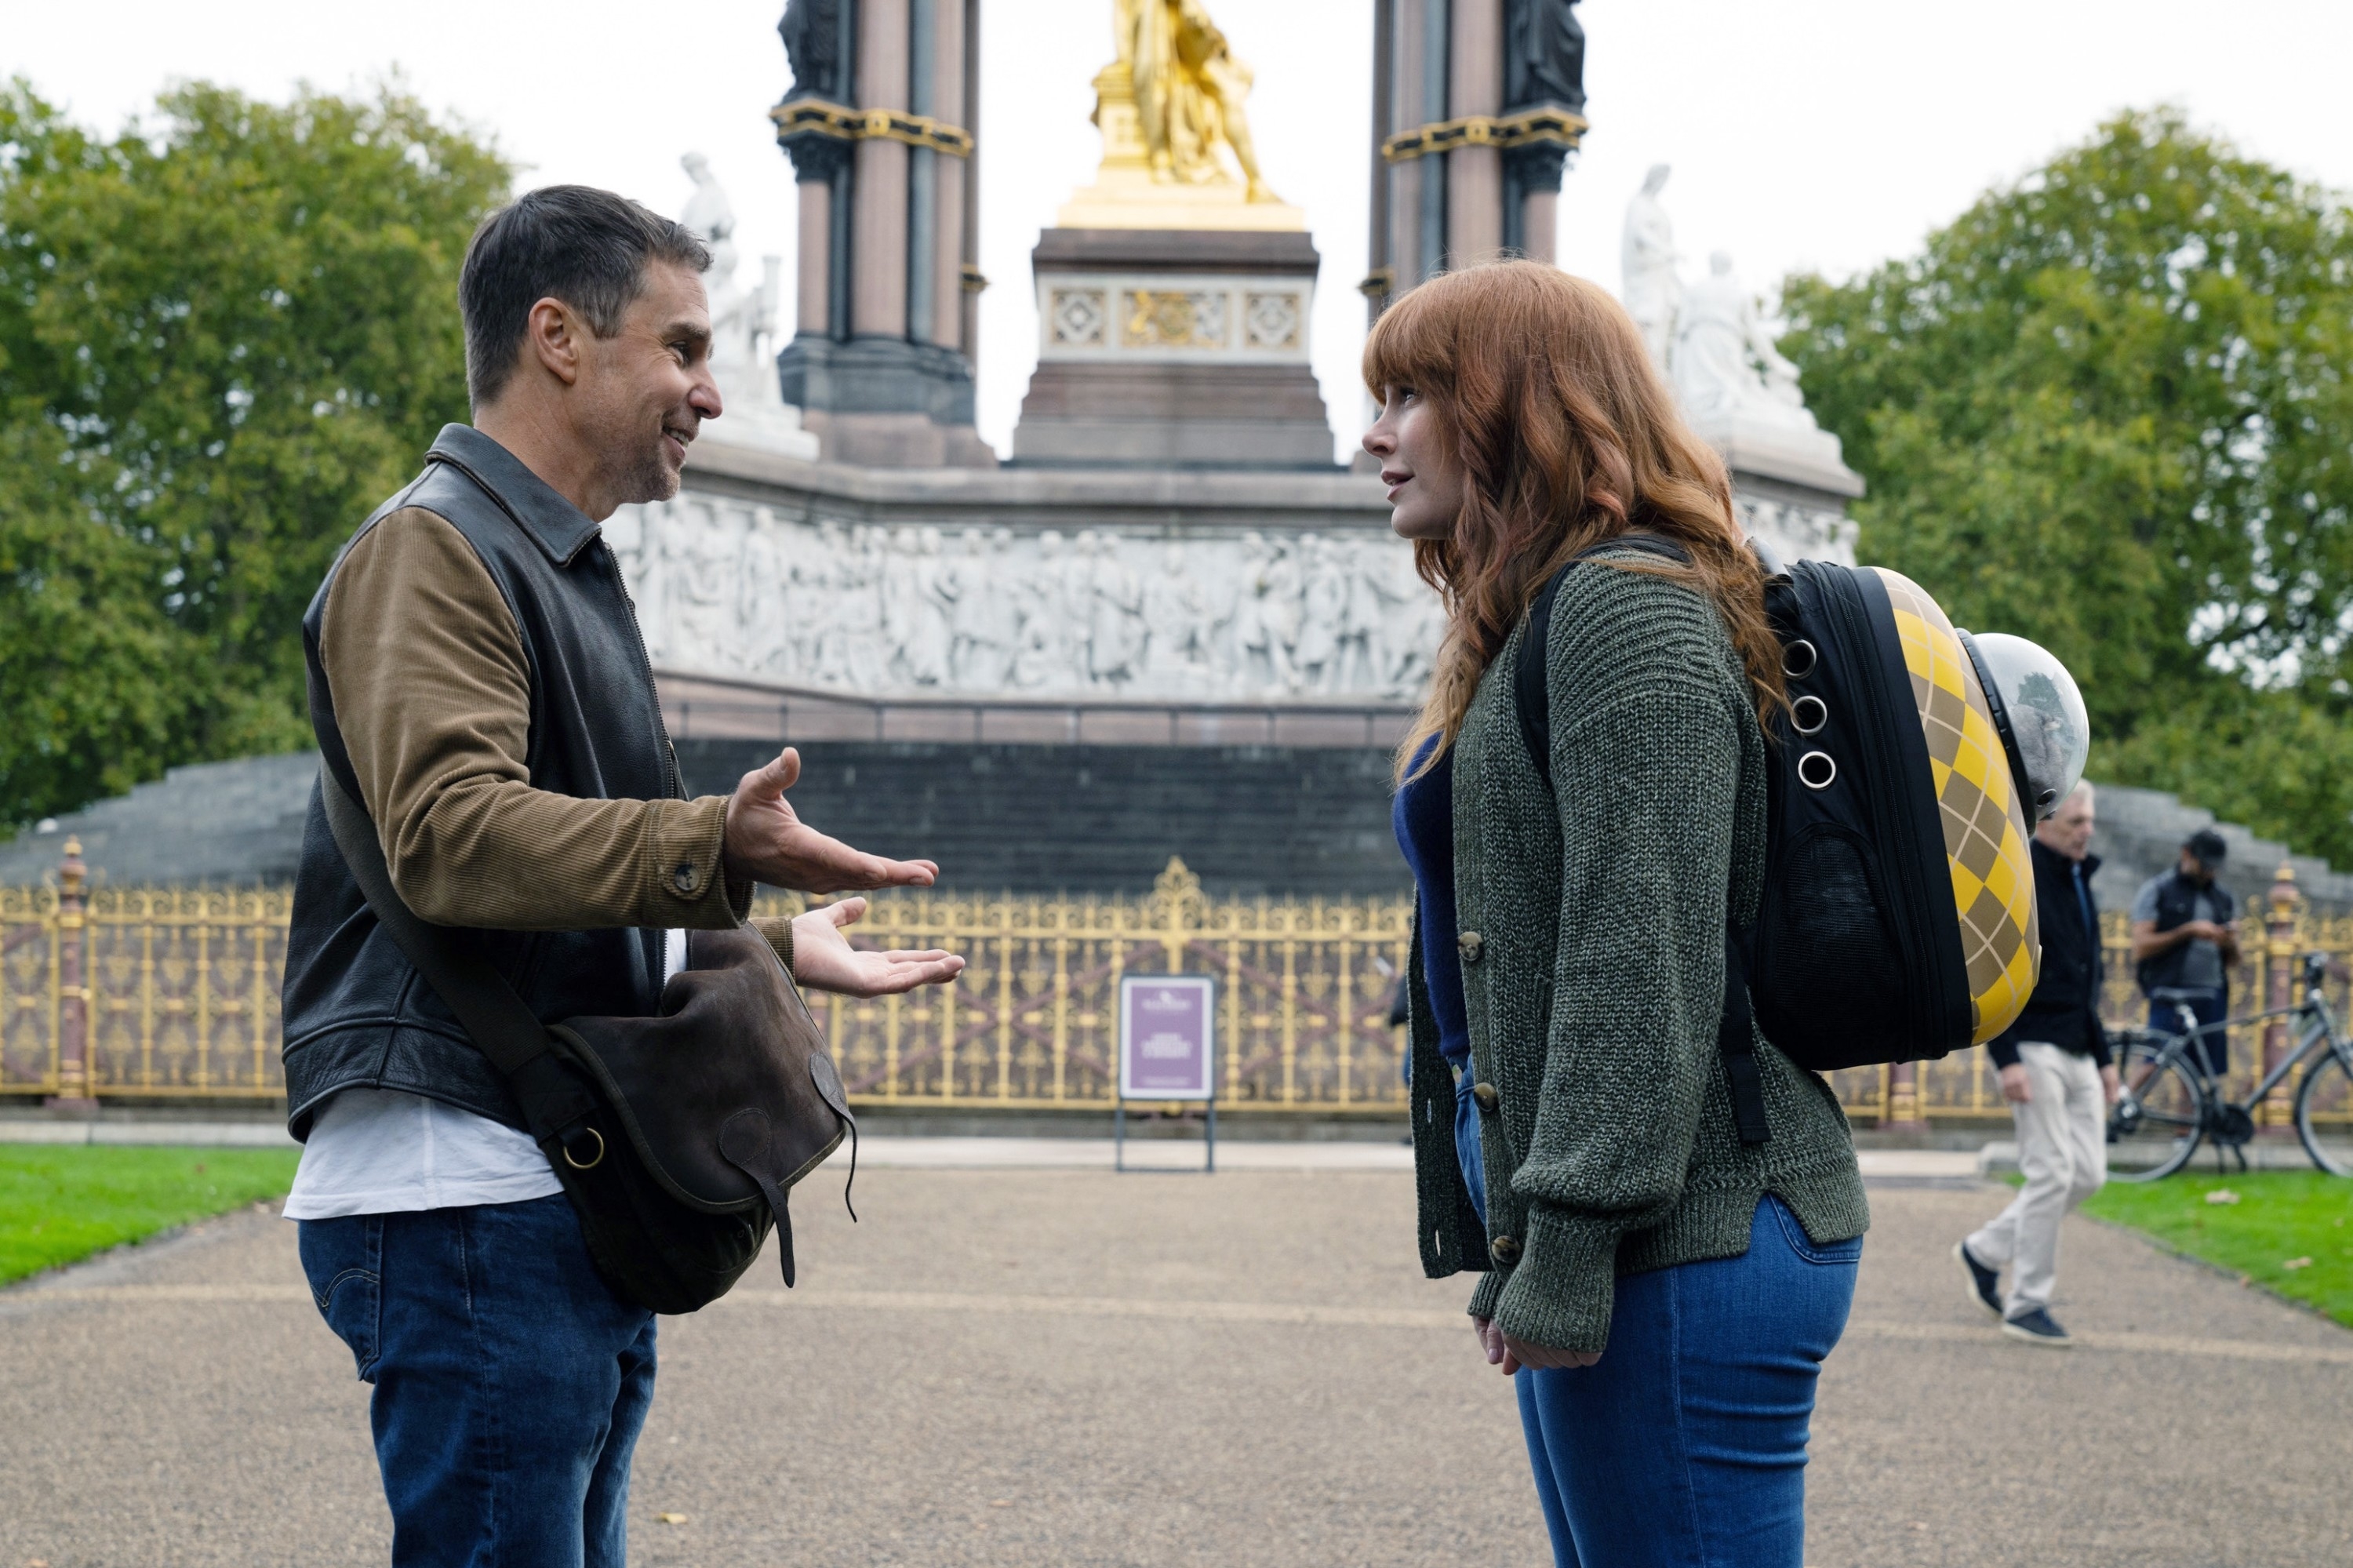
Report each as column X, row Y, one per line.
column 2155, row 1126
column 2325, row 1094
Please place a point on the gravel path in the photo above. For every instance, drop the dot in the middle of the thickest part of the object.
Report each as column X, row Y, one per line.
column 1067, row 1366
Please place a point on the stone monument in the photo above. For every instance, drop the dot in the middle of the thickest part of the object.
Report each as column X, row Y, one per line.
column 1175, row 292
column 1172, row 626
column 1709, row 336
column 1477, row 105
column 875, row 123
column 742, row 329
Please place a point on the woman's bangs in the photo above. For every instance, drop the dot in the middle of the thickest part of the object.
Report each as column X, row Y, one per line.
column 1412, row 343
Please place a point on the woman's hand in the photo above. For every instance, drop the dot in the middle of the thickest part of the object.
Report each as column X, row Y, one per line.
column 823, row 959
column 1511, row 1354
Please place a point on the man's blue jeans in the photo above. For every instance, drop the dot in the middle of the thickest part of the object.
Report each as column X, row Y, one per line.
column 510, row 1382
column 2206, row 1006
column 1685, row 1446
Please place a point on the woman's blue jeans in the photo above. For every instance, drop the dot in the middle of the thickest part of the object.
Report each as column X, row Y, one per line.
column 510, row 1382
column 1684, row 1447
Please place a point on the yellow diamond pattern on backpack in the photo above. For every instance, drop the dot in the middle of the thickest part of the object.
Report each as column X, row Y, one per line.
column 1985, row 827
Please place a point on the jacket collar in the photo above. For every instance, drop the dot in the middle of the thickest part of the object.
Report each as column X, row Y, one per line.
column 559, row 528
column 2043, row 852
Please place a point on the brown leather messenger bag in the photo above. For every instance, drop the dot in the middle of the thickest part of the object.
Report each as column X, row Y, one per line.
column 677, row 1138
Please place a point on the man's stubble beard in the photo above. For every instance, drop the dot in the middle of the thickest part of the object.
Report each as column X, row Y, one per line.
column 648, row 476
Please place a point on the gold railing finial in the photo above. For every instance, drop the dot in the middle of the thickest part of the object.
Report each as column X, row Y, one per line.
column 1178, row 892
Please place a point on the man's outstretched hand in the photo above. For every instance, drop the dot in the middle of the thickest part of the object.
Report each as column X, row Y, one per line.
column 765, row 841
column 823, row 959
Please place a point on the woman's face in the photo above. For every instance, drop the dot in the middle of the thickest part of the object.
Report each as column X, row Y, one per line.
column 1425, row 482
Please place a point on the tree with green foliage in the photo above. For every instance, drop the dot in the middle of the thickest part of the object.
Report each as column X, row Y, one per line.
column 2110, row 407
column 223, row 337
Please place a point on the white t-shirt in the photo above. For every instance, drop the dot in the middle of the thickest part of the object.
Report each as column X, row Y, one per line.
column 381, row 1152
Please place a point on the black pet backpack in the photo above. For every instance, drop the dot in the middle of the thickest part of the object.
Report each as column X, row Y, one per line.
column 1898, row 922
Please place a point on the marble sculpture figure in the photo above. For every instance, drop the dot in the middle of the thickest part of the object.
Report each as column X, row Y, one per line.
column 1724, row 360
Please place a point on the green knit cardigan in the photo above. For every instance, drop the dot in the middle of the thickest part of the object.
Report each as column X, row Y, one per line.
column 1591, row 921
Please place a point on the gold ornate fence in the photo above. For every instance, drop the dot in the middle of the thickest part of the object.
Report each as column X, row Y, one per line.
column 173, row 994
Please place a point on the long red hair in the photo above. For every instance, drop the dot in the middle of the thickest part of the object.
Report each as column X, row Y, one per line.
column 1567, row 437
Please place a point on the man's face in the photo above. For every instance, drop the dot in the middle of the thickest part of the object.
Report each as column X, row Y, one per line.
column 645, row 391
column 2196, row 870
column 2069, row 829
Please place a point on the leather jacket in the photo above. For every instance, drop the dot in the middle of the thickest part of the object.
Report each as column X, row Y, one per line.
column 358, row 1014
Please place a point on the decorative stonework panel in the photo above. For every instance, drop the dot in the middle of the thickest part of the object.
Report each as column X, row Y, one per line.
column 1797, row 533
column 1272, row 320
column 730, row 589
column 1080, row 316
column 1172, row 318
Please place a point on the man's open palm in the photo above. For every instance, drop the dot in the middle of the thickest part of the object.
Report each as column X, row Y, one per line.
column 765, row 841
column 823, row 959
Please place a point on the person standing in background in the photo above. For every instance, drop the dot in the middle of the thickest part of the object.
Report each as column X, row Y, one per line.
column 2185, row 937
column 2059, row 1079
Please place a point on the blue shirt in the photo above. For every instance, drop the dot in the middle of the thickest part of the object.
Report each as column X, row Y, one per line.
column 1423, row 818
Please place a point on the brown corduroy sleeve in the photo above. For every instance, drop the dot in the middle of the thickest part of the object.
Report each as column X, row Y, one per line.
column 432, row 692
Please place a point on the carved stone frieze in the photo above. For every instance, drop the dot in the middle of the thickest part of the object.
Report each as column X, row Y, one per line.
column 731, row 589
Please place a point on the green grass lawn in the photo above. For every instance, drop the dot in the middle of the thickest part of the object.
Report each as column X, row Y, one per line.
column 2291, row 1231
column 59, row 1204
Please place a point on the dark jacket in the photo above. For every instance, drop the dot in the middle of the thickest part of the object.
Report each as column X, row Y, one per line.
column 2177, row 904
column 2064, row 1009
column 356, row 1013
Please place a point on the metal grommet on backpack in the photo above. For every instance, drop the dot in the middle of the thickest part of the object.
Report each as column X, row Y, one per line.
column 1908, row 771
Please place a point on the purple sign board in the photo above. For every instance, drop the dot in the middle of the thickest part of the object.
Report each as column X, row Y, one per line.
column 1167, row 1037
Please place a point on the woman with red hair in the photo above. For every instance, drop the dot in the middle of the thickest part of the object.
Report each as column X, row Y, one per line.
column 1663, row 1292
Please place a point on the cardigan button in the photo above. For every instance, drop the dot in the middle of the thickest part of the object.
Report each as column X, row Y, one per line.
column 1470, row 944
column 1505, row 1249
column 1485, row 1097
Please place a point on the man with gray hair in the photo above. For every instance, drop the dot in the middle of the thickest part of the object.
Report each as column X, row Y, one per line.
column 2059, row 1080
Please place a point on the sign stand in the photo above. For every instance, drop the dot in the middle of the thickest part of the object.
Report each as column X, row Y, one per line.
column 1168, row 1051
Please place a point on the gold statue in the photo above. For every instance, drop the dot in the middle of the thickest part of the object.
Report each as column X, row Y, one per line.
column 1170, row 110
column 1189, row 88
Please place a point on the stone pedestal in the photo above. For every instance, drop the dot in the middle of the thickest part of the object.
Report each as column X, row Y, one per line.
column 1789, row 485
column 1173, row 348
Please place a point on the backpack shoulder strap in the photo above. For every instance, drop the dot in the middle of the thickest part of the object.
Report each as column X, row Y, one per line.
column 1529, row 698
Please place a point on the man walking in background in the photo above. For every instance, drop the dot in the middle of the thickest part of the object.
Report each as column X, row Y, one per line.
column 2185, row 937
column 2059, row 1080
column 477, row 684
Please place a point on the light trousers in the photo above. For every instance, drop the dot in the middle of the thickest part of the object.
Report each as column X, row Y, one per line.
column 2063, row 1150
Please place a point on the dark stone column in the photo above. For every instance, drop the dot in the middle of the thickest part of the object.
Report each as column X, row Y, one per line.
column 1476, row 105
column 880, row 363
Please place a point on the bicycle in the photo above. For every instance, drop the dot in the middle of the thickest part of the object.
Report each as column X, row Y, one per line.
column 2170, row 1101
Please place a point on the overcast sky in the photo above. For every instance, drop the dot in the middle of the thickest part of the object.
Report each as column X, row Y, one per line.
column 1812, row 134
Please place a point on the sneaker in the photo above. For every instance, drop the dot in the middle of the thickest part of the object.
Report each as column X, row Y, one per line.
column 2037, row 1328
column 1984, row 1282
